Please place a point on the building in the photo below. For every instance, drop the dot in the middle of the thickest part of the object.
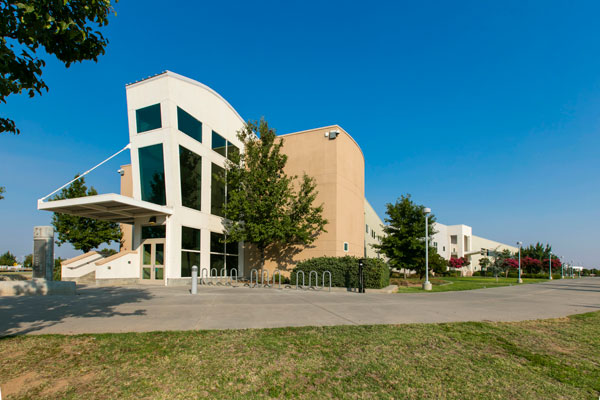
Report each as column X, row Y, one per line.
column 171, row 206
column 456, row 241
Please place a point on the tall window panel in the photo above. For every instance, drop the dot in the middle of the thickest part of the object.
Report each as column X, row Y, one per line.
column 190, row 250
column 148, row 118
column 219, row 144
column 217, row 191
column 190, row 169
column 189, row 125
column 152, row 174
column 223, row 255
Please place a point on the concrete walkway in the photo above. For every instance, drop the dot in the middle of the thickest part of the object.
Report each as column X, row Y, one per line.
column 143, row 308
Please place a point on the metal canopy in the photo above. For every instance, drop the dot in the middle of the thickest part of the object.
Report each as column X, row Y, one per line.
column 109, row 207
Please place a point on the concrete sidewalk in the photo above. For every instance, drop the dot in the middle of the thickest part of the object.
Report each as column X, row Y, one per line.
column 144, row 308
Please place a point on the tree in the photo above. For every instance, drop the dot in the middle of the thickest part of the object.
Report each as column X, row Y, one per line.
column 404, row 239
column 484, row 264
column 500, row 263
column 537, row 251
column 265, row 207
column 8, row 259
column 28, row 261
column 65, row 29
column 83, row 233
column 2, row 190
column 107, row 252
column 437, row 263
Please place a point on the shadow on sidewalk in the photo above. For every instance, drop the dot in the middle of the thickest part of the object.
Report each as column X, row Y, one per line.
column 20, row 315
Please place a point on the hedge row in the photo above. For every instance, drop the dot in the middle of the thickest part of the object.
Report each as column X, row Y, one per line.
column 515, row 274
column 344, row 271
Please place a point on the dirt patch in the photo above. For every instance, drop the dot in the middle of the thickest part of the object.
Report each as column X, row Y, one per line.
column 15, row 385
column 61, row 384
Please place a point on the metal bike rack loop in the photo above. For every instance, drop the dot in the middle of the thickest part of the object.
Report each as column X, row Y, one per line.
column 278, row 272
column 262, row 278
column 212, row 276
column 254, row 272
column 231, row 277
column 310, row 274
column 323, row 281
column 204, row 274
column 303, row 280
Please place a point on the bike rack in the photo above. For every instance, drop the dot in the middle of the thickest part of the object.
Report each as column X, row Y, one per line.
column 231, row 277
column 278, row 272
column 216, row 274
column 303, row 280
column 310, row 286
column 203, row 274
column 323, row 281
column 223, row 274
column 262, row 278
column 254, row 271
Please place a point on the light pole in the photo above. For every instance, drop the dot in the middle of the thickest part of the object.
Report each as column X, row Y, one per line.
column 571, row 268
column 520, row 244
column 562, row 267
column 550, row 266
column 427, row 284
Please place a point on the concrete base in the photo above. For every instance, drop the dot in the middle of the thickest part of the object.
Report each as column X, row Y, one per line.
column 520, row 280
column 427, row 286
column 36, row 287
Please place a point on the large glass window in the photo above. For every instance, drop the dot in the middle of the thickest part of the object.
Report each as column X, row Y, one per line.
column 217, row 191
column 231, row 150
column 190, row 169
column 154, row 232
column 219, row 144
column 223, row 255
column 222, row 146
column 152, row 174
column 189, row 125
column 148, row 118
column 190, row 250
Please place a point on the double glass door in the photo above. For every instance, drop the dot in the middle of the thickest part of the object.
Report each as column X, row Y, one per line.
column 153, row 260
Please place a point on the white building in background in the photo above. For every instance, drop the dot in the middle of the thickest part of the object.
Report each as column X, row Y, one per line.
column 456, row 241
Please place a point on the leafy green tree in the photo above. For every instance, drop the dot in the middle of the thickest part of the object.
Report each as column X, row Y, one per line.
column 404, row 239
column 265, row 207
column 65, row 29
column 28, row 261
column 484, row 263
column 8, row 259
column 107, row 252
column 437, row 263
column 57, row 270
column 501, row 263
column 537, row 251
column 2, row 190
column 83, row 233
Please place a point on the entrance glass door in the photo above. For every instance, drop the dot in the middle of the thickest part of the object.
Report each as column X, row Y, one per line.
column 153, row 260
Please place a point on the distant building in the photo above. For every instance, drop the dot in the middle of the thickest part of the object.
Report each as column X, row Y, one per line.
column 456, row 241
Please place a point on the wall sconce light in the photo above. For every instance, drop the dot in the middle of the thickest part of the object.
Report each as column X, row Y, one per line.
column 152, row 220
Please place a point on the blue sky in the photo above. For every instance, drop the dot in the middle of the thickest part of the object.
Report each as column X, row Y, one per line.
column 487, row 112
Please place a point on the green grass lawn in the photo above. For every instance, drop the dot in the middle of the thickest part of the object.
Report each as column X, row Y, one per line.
column 447, row 284
column 546, row 359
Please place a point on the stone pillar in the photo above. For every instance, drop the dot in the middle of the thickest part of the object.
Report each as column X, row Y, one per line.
column 43, row 252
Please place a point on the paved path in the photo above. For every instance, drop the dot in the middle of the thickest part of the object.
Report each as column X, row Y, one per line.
column 142, row 308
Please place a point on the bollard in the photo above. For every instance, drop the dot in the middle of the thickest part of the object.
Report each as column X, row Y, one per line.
column 194, row 279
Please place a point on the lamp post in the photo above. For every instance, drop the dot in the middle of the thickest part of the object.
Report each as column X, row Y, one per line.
column 562, row 267
column 550, row 266
column 571, row 268
column 520, row 244
column 427, row 284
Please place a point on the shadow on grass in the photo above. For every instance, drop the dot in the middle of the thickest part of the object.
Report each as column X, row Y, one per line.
column 20, row 315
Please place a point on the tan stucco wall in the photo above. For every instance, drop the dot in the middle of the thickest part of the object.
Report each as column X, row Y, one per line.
column 126, row 190
column 338, row 168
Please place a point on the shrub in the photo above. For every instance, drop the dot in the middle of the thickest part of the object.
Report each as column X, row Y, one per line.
column 344, row 271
